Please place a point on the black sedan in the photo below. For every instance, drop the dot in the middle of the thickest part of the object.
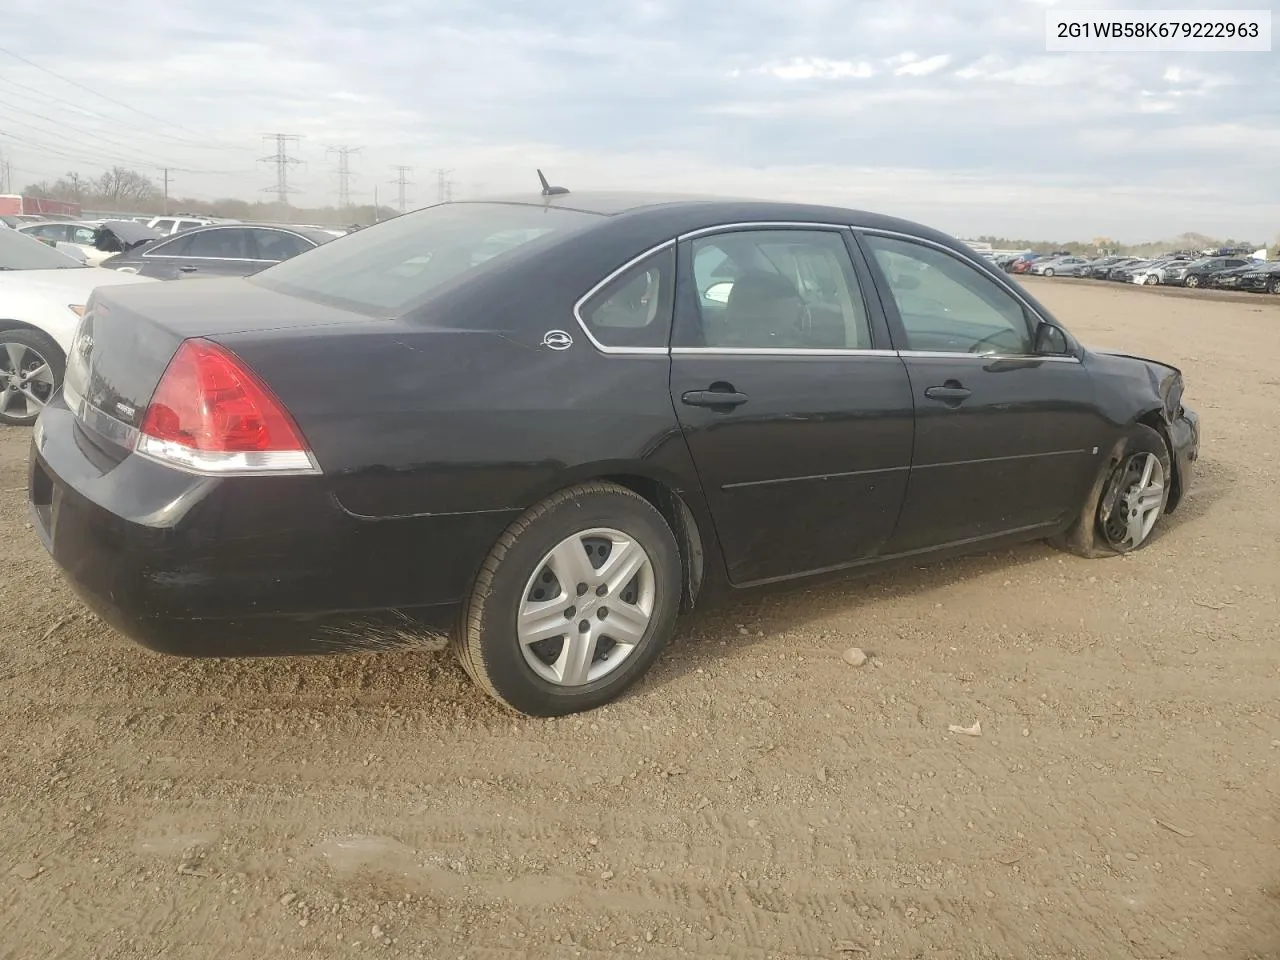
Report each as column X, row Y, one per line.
column 546, row 425
column 1198, row 272
column 231, row 250
column 1229, row 279
column 1263, row 278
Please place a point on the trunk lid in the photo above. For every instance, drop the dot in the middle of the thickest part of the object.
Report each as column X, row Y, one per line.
column 130, row 333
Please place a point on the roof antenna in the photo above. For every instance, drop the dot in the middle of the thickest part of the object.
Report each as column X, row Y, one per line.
column 548, row 190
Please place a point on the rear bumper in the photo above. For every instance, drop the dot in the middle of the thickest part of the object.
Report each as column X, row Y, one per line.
column 260, row 566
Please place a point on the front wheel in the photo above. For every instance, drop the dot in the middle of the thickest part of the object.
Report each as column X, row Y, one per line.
column 1126, row 502
column 1048, row 271
column 1152, row 280
column 1193, row 281
column 31, row 371
column 1275, row 285
column 574, row 603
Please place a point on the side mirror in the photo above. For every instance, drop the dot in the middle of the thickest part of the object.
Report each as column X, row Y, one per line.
column 1052, row 340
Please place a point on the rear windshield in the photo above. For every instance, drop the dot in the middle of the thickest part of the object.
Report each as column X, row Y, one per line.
column 395, row 266
column 21, row 252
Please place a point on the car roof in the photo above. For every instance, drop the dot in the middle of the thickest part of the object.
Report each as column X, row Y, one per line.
column 319, row 236
column 691, row 211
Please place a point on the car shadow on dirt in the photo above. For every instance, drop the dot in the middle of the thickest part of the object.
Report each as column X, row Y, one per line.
column 802, row 605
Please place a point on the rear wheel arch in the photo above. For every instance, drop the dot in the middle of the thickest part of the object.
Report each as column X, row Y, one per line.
column 661, row 489
column 683, row 524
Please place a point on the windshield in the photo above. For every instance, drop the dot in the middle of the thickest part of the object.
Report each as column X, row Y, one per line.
column 395, row 266
column 21, row 252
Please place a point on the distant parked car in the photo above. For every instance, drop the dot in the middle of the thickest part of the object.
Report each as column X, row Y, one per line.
column 75, row 232
column 1195, row 273
column 1123, row 273
column 167, row 226
column 1099, row 267
column 233, row 250
column 1154, row 273
column 1060, row 266
column 1229, row 279
column 1264, row 278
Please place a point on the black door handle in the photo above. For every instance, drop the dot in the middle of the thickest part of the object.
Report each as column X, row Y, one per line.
column 713, row 398
column 187, row 268
column 950, row 392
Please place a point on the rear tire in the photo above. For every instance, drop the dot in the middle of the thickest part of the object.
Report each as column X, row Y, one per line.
column 1124, row 507
column 31, row 370
column 591, row 537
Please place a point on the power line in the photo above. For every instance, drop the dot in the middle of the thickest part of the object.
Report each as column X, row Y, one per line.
column 283, row 162
column 401, row 183
column 98, row 158
column 62, row 125
column 104, row 96
column 344, row 173
column 94, row 114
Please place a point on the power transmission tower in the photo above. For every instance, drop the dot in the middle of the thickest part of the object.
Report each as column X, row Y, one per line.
column 442, row 185
column 283, row 162
column 401, row 183
column 344, row 173
column 166, row 190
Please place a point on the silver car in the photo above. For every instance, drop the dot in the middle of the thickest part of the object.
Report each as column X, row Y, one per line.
column 1059, row 266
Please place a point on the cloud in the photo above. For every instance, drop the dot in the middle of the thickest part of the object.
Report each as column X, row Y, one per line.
column 820, row 68
column 922, row 68
column 951, row 113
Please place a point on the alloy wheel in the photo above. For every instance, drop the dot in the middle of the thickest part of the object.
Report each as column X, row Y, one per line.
column 26, row 380
column 1138, row 504
column 587, row 607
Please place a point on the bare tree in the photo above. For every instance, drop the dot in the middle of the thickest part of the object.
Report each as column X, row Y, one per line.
column 120, row 187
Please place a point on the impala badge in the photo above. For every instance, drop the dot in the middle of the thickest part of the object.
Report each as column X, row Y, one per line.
column 557, row 340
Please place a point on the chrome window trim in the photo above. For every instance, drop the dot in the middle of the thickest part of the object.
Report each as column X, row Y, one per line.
column 763, row 225
column 582, row 300
column 174, row 256
column 797, row 352
column 965, row 355
column 229, row 226
column 781, row 352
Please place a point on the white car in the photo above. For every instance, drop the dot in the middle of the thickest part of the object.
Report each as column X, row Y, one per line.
column 1157, row 272
column 167, row 226
column 69, row 232
column 42, row 297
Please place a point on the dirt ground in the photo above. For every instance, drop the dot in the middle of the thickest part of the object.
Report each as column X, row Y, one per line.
column 755, row 797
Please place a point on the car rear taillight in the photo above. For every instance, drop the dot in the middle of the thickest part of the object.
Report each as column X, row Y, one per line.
column 210, row 414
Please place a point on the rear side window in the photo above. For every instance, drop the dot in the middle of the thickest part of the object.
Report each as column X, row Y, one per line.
column 398, row 265
column 178, row 247
column 634, row 309
column 278, row 245
column 233, row 243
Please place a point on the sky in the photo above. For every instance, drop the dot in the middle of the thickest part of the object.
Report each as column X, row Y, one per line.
column 951, row 113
